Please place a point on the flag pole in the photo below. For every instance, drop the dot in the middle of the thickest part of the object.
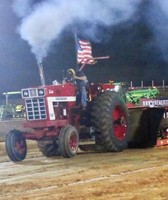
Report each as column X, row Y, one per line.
column 94, row 58
column 76, row 48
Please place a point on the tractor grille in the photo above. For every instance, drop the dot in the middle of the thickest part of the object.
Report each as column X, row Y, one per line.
column 35, row 109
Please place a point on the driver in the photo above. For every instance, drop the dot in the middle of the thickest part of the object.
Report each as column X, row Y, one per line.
column 81, row 81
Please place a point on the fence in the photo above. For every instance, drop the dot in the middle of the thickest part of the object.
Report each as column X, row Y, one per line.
column 162, row 85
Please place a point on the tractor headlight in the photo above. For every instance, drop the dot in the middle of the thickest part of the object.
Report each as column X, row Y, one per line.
column 41, row 92
column 33, row 93
column 25, row 93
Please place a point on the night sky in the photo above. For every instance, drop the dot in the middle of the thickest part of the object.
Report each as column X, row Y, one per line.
column 137, row 43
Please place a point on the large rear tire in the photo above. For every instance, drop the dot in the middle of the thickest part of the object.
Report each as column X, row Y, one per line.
column 16, row 146
column 110, row 116
column 49, row 147
column 68, row 141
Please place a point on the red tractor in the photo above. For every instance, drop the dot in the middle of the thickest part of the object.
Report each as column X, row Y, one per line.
column 112, row 121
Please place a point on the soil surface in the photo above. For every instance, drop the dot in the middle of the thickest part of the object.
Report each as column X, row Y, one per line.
column 135, row 174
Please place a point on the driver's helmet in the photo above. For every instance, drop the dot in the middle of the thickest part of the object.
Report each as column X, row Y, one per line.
column 71, row 72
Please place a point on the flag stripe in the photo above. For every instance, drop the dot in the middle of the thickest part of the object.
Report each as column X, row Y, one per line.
column 84, row 52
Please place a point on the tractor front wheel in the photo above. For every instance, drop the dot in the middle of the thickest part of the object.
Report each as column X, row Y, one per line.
column 16, row 146
column 68, row 141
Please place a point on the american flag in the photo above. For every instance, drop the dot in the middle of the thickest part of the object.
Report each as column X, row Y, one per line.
column 84, row 52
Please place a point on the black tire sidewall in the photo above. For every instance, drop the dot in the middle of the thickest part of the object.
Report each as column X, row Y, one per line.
column 64, row 141
column 102, row 110
column 12, row 138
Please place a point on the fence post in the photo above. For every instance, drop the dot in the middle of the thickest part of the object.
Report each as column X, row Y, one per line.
column 131, row 85
column 141, row 84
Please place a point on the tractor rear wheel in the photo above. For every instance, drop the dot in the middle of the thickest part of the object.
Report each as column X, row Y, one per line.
column 49, row 147
column 68, row 141
column 110, row 116
column 16, row 146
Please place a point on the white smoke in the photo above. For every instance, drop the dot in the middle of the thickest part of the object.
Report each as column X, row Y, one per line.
column 158, row 20
column 43, row 22
column 163, row 5
column 22, row 8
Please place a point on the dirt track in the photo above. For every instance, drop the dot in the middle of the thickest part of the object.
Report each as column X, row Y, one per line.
column 140, row 174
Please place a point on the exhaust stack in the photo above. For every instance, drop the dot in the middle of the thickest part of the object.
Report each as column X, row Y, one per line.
column 41, row 71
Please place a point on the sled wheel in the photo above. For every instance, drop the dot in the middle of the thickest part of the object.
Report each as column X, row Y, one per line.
column 16, row 146
column 49, row 147
column 110, row 116
column 68, row 141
